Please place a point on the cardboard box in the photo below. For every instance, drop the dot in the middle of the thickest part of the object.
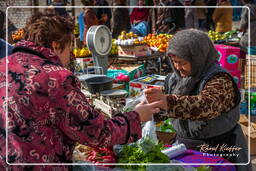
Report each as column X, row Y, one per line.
column 252, row 136
column 237, row 76
column 83, row 63
column 151, row 81
column 228, row 56
column 166, row 137
column 133, row 51
column 132, row 70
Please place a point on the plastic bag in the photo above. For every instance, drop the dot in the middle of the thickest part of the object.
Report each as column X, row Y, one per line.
column 132, row 102
column 149, row 130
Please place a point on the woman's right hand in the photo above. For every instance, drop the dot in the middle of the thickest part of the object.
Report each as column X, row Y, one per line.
column 146, row 111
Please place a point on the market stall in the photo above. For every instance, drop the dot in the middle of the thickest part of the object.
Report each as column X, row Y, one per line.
column 128, row 61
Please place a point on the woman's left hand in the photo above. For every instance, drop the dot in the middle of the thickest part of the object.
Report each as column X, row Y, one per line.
column 154, row 94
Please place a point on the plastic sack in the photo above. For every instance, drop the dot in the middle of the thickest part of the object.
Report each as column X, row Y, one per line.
column 132, row 102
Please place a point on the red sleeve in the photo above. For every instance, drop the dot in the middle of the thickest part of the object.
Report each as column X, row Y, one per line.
column 83, row 124
column 144, row 14
column 133, row 15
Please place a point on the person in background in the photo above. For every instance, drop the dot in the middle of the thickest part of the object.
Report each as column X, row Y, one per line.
column 222, row 17
column 153, row 17
column 139, row 19
column 170, row 19
column 191, row 20
column 244, row 25
column 90, row 17
column 202, row 98
column 120, row 20
column 47, row 111
column 2, row 19
column 210, row 23
column 60, row 11
column 3, row 45
column 201, row 14
column 103, row 12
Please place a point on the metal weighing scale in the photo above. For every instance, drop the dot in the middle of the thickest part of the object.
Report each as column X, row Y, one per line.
column 99, row 42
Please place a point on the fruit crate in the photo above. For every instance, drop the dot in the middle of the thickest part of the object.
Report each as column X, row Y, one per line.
column 133, row 50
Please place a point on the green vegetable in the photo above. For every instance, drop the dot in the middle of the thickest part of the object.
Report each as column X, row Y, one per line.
column 204, row 168
column 144, row 151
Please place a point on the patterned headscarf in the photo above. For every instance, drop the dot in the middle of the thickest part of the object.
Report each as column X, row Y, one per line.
column 195, row 47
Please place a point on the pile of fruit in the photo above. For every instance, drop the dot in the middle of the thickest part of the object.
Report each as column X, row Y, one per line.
column 76, row 29
column 159, row 42
column 83, row 52
column 216, row 36
column 114, row 50
column 18, row 35
column 129, row 39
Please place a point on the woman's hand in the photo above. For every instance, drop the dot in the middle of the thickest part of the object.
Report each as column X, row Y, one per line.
column 146, row 111
column 154, row 94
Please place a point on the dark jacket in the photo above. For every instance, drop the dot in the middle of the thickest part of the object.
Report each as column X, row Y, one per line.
column 120, row 21
column 171, row 19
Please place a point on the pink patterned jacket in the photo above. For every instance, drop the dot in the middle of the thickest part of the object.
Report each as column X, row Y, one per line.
column 47, row 112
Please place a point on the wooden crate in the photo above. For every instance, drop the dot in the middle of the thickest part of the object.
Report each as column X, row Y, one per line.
column 252, row 63
column 133, row 51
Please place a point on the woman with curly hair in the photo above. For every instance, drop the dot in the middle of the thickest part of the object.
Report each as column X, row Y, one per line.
column 46, row 110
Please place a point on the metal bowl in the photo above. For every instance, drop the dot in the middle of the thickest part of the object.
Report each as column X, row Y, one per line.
column 96, row 84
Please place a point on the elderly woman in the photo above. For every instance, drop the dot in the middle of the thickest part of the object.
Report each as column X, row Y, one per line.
column 47, row 112
column 202, row 98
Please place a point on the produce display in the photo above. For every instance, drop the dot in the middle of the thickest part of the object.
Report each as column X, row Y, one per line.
column 114, row 49
column 159, row 42
column 216, row 36
column 144, row 151
column 18, row 35
column 130, row 38
column 85, row 52
column 95, row 155
column 76, row 29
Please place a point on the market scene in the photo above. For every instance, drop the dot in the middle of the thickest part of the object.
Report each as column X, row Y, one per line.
column 115, row 85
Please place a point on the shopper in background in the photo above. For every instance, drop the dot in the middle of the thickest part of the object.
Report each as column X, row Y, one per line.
column 121, row 19
column 153, row 17
column 2, row 18
column 3, row 45
column 191, row 20
column 47, row 111
column 90, row 17
column 210, row 23
column 60, row 10
column 244, row 25
column 139, row 19
column 202, row 98
column 222, row 17
column 170, row 20
column 103, row 12
column 201, row 13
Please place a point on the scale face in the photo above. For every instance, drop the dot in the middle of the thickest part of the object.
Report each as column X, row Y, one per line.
column 99, row 42
column 102, row 41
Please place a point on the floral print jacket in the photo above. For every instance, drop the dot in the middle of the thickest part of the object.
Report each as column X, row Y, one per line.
column 47, row 112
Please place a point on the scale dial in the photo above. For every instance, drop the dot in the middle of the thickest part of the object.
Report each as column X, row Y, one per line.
column 99, row 40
